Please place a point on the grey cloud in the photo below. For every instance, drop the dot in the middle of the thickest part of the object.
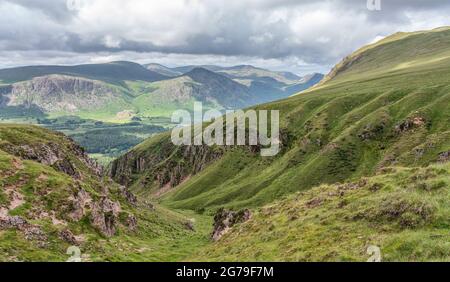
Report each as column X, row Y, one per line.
column 315, row 32
column 55, row 9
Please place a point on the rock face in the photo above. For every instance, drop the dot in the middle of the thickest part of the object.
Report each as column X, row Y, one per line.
column 104, row 216
column 159, row 168
column 131, row 222
column 59, row 93
column 127, row 195
column 225, row 219
column 104, row 213
column 166, row 165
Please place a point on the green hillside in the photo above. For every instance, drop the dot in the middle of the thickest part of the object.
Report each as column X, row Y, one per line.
column 402, row 211
column 382, row 109
column 53, row 197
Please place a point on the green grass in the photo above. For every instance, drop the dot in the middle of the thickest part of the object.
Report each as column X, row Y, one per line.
column 404, row 212
column 162, row 234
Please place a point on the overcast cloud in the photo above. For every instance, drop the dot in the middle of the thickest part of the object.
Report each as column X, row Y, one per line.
column 295, row 35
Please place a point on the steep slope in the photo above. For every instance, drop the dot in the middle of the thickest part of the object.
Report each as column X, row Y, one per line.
column 388, row 111
column 402, row 211
column 53, row 196
column 305, row 83
column 226, row 91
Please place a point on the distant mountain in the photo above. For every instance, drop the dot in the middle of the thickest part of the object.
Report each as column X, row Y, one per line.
column 186, row 69
column 119, row 91
column 214, row 90
column 114, row 72
column 245, row 72
column 305, row 83
column 163, row 70
column 266, row 84
column 289, row 75
column 62, row 93
column 254, row 73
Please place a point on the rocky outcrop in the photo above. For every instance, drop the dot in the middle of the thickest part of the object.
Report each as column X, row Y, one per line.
column 104, row 216
column 67, row 236
column 81, row 204
column 444, row 157
column 55, row 155
column 168, row 166
column 128, row 196
column 30, row 231
column 225, row 219
column 131, row 222
column 409, row 124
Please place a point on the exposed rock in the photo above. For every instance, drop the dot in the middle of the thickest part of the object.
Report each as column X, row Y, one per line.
column 225, row 219
column 444, row 157
column 31, row 232
column 149, row 205
column 371, row 131
column 131, row 222
column 170, row 172
column 80, row 204
column 409, row 124
column 127, row 195
column 104, row 216
column 53, row 154
column 68, row 236
column 190, row 225
column 67, row 167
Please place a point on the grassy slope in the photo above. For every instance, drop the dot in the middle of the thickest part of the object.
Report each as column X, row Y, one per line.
column 403, row 211
column 161, row 234
column 391, row 83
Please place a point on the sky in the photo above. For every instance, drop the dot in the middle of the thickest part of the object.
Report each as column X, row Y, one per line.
column 301, row 36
